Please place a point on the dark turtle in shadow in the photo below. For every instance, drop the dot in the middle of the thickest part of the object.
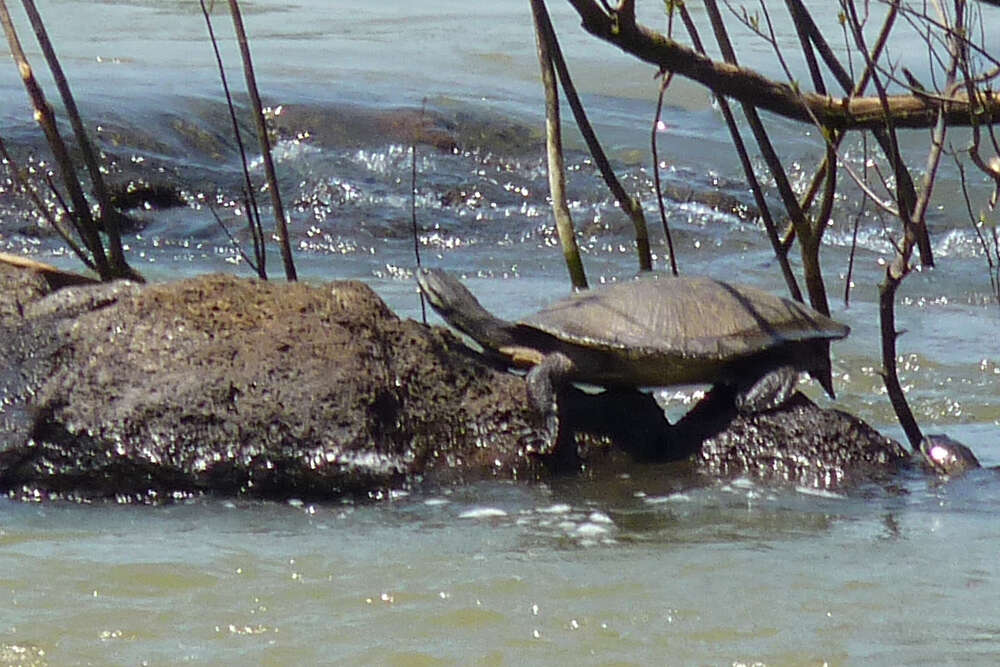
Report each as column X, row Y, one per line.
column 946, row 456
column 655, row 331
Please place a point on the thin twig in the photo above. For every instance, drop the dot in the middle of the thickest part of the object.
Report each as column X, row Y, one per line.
column 755, row 187
column 46, row 119
column 413, row 206
column 976, row 224
column 29, row 189
column 236, row 244
column 250, row 200
column 630, row 205
column 656, row 172
column 256, row 232
column 557, row 169
column 851, row 255
column 281, row 223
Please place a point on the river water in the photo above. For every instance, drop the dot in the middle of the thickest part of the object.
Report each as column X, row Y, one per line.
column 642, row 569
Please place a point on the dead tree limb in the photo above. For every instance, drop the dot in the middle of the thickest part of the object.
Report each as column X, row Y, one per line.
column 747, row 85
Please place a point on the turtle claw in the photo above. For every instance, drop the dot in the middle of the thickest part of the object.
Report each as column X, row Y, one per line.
column 544, row 381
column 769, row 392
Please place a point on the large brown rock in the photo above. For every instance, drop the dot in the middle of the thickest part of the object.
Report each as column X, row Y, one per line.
column 238, row 386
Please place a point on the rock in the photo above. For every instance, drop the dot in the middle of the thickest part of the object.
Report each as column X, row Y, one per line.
column 232, row 386
column 831, row 448
column 28, row 338
column 946, row 456
column 218, row 384
column 798, row 443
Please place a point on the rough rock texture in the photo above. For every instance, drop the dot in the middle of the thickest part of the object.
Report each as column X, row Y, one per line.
column 232, row 386
column 236, row 386
column 799, row 443
column 802, row 444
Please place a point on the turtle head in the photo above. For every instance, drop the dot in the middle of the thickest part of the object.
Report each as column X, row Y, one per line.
column 459, row 308
column 445, row 293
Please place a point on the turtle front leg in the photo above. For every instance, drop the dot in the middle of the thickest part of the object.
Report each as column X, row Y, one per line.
column 544, row 381
column 768, row 392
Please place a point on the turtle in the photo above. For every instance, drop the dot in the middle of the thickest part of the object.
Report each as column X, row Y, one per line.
column 655, row 331
column 947, row 456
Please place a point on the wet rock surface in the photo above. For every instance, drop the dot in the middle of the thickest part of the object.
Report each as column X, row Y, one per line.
column 218, row 384
column 238, row 387
column 801, row 443
column 798, row 443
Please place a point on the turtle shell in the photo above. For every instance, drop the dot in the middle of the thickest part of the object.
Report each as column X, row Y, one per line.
column 693, row 323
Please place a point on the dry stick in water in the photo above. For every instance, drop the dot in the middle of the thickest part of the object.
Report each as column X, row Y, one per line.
column 848, row 78
column 249, row 201
column 557, row 170
column 109, row 215
column 413, row 206
column 28, row 188
column 236, row 244
column 46, row 119
column 755, row 187
column 63, row 206
column 808, row 243
column 630, row 205
column 265, row 144
column 996, row 268
column 256, row 232
column 896, row 270
column 667, row 76
column 849, row 277
column 993, row 269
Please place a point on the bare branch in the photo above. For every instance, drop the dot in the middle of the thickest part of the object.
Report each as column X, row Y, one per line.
column 630, row 205
column 553, row 142
column 747, row 85
column 656, row 172
column 758, row 192
column 281, row 223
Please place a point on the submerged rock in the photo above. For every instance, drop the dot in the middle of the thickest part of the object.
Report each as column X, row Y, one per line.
column 232, row 386
column 946, row 456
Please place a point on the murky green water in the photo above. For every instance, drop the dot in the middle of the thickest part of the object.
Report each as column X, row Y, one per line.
column 641, row 569
column 498, row 574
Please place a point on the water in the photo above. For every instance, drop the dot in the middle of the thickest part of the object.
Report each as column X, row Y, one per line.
column 644, row 568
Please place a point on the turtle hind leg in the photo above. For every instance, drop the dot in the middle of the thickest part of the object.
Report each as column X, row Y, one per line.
column 544, row 381
column 768, row 392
